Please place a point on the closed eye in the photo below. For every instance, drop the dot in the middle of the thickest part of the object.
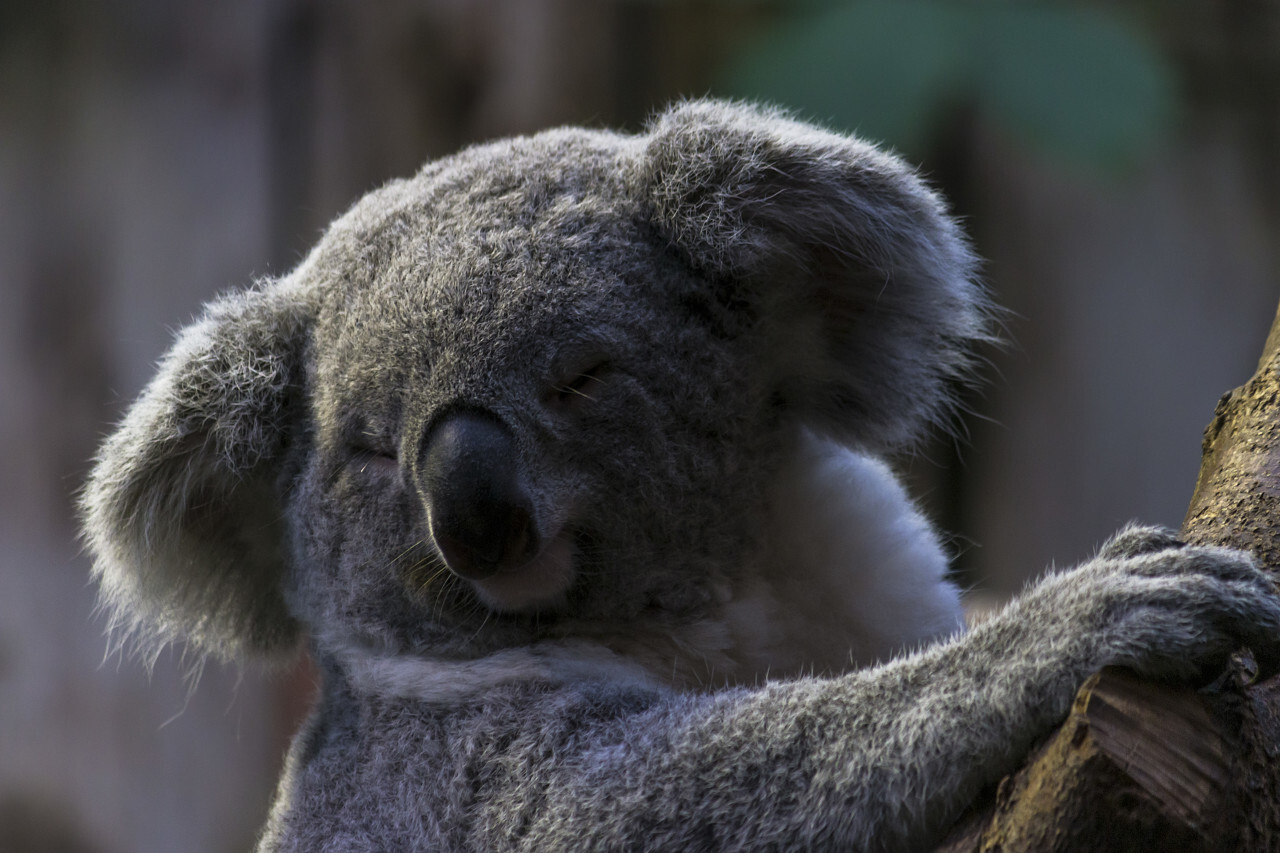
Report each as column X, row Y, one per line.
column 366, row 458
column 582, row 387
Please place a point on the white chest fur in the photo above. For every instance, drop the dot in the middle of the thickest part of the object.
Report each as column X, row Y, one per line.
column 851, row 571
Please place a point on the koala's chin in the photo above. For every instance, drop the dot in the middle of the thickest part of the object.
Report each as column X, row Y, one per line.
column 537, row 586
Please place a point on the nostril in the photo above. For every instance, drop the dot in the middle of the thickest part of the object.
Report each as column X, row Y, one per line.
column 484, row 549
column 521, row 540
column 464, row 560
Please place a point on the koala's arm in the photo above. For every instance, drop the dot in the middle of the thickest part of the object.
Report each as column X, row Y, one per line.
column 880, row 759
column 886, row 758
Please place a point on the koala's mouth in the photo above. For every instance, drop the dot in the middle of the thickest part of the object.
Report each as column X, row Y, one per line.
column 538, row 585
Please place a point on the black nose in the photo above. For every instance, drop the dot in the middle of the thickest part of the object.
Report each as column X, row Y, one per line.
column 480, row 517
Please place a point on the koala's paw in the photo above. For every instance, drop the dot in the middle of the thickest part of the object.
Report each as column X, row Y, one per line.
column 1166, row 610
column 1134, row 539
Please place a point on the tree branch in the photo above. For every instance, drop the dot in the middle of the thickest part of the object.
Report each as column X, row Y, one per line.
column 1139, row 765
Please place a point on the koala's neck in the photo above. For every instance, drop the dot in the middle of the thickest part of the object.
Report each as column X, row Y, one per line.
column 847, row 573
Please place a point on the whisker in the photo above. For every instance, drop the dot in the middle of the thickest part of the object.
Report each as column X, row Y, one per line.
column 570, row 390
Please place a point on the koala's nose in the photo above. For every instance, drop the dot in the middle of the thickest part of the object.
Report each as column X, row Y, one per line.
column 480, row 517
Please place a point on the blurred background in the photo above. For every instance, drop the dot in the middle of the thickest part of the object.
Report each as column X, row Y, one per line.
column 1117, row 163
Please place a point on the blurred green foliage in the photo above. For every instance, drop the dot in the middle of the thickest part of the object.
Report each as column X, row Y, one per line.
column 1070, row 80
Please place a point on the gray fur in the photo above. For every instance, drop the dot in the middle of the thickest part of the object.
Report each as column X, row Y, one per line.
column 683, row 349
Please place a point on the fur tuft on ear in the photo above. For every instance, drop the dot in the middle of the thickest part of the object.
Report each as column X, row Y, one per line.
column 182, row 511
column 865, row 287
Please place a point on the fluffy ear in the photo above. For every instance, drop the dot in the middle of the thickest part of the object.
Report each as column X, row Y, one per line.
column 865, row 286
column 182, row 511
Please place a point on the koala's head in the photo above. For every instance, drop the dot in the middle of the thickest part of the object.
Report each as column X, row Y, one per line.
column 545, row 382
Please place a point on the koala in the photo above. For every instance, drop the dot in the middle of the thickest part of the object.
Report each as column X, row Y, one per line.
column 564, row 458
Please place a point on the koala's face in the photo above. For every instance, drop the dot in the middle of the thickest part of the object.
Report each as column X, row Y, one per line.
column 542, row 385
column 527, row 409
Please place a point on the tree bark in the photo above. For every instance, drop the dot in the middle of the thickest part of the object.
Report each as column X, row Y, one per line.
column 1144, row 766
